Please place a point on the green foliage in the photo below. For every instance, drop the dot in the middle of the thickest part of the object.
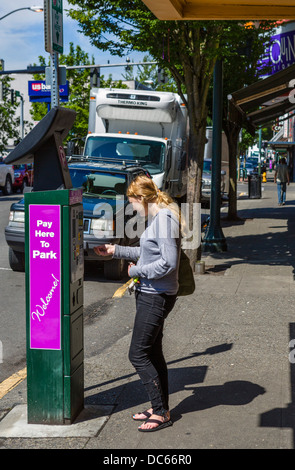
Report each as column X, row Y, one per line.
column 8, row 124
column 147, row 74
column 79, row 89
column 188, row 50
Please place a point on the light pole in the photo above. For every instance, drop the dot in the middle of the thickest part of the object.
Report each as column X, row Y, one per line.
column 36, row 9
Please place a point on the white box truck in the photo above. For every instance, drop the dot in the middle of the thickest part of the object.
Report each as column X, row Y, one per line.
column 146, row 126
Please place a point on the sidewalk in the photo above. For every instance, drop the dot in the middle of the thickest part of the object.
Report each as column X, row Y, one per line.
column 232, row 385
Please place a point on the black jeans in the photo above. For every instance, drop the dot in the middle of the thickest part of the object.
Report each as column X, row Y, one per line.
column 146, row 353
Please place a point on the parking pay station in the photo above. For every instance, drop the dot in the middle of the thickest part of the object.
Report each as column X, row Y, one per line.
column 54, row 275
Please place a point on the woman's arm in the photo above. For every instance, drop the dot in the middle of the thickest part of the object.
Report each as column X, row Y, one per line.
column 118, row 251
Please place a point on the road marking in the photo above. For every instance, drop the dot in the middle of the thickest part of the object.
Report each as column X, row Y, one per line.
column 6, row 269
column 12, row 381
column 121, row 291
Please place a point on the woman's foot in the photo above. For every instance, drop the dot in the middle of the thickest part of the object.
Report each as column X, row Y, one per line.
column 155, row 422
column 143, row 416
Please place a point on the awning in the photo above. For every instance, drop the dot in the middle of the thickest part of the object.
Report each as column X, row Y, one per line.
column 221, row 10
column 263, row 101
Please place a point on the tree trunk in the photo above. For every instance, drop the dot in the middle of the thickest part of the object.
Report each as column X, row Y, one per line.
column 194, row 186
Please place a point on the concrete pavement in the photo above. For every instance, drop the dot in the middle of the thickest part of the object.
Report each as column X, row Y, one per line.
column 231, row 367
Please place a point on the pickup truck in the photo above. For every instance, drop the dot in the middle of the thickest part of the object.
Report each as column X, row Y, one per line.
column 6, row 177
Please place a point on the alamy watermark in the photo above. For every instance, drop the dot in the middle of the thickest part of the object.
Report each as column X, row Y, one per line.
column 131, row 223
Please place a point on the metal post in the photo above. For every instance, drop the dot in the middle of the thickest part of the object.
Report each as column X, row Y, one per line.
column 215, row 240
column 260, row 145
column 54, row 80
column 22, row 116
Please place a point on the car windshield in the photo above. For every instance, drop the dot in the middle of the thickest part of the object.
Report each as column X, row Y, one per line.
column 149, row 153
column 99, row 183
column 207, row 166
column 19, row 167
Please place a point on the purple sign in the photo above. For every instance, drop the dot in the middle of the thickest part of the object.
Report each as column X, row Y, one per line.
column 45, row 276
column 280, row 53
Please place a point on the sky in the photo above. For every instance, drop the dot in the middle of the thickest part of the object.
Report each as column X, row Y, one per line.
column 22, row 38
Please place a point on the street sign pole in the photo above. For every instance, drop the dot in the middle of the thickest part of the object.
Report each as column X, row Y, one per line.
column 54, row 80
column 53, row 33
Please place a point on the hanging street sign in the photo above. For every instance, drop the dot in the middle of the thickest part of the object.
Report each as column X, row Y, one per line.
column 53, row 26
column 57, row 26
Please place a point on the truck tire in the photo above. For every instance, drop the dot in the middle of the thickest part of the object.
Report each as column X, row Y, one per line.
column 16, row 260
column 7, row 189
column 114, row 269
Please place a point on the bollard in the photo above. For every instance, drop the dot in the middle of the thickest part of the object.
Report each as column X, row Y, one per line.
column 54, row 275
column 200, row 267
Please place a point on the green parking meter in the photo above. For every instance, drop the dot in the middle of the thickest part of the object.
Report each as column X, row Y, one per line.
column 54, row 275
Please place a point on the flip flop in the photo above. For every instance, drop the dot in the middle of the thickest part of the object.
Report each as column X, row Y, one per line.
column 145, row 413
column 162, row 424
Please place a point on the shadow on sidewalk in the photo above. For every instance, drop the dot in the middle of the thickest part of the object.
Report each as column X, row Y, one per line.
column 132, row 394
column 275, row 248
column 284, row 417
column 234, row 393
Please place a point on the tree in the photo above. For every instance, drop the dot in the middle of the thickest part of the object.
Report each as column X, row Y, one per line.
column 240, row 69
column 148, row 74
column 79, row 88
column 188, row 49
column 8, row 124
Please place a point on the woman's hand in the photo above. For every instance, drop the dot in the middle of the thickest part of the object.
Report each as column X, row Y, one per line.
column 104, row 250
column 129, row 266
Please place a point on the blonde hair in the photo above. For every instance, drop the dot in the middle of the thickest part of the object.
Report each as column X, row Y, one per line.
column 144, row 187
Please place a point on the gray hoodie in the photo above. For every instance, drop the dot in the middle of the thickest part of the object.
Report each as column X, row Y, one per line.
column 157, row 256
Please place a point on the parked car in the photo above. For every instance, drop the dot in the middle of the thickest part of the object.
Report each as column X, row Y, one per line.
column 23, row 176
column 254, row 161
column 206, row 179
column 104, row 190
column 6, row 177
column 249, row 168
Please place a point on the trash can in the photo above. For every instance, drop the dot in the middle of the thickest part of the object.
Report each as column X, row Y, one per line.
column 254, row 186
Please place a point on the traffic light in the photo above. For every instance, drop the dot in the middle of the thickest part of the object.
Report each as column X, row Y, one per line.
column 162, row 78
column 12, row 96
column 3, row 91
column 95, row 77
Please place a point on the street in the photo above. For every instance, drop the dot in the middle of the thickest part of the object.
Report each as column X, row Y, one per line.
column 97, row 296
column 101, row 328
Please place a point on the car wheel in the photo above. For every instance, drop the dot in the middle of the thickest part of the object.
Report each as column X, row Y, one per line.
column 114, row 269
column 8, row 186
column 16, row 260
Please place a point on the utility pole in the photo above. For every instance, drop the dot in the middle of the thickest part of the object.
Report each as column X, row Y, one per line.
column 215, row 240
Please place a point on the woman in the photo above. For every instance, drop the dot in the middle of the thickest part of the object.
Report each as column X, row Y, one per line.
column 157, row 261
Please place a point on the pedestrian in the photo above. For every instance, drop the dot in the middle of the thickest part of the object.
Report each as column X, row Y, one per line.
column 282, row 178
column 155, row 263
